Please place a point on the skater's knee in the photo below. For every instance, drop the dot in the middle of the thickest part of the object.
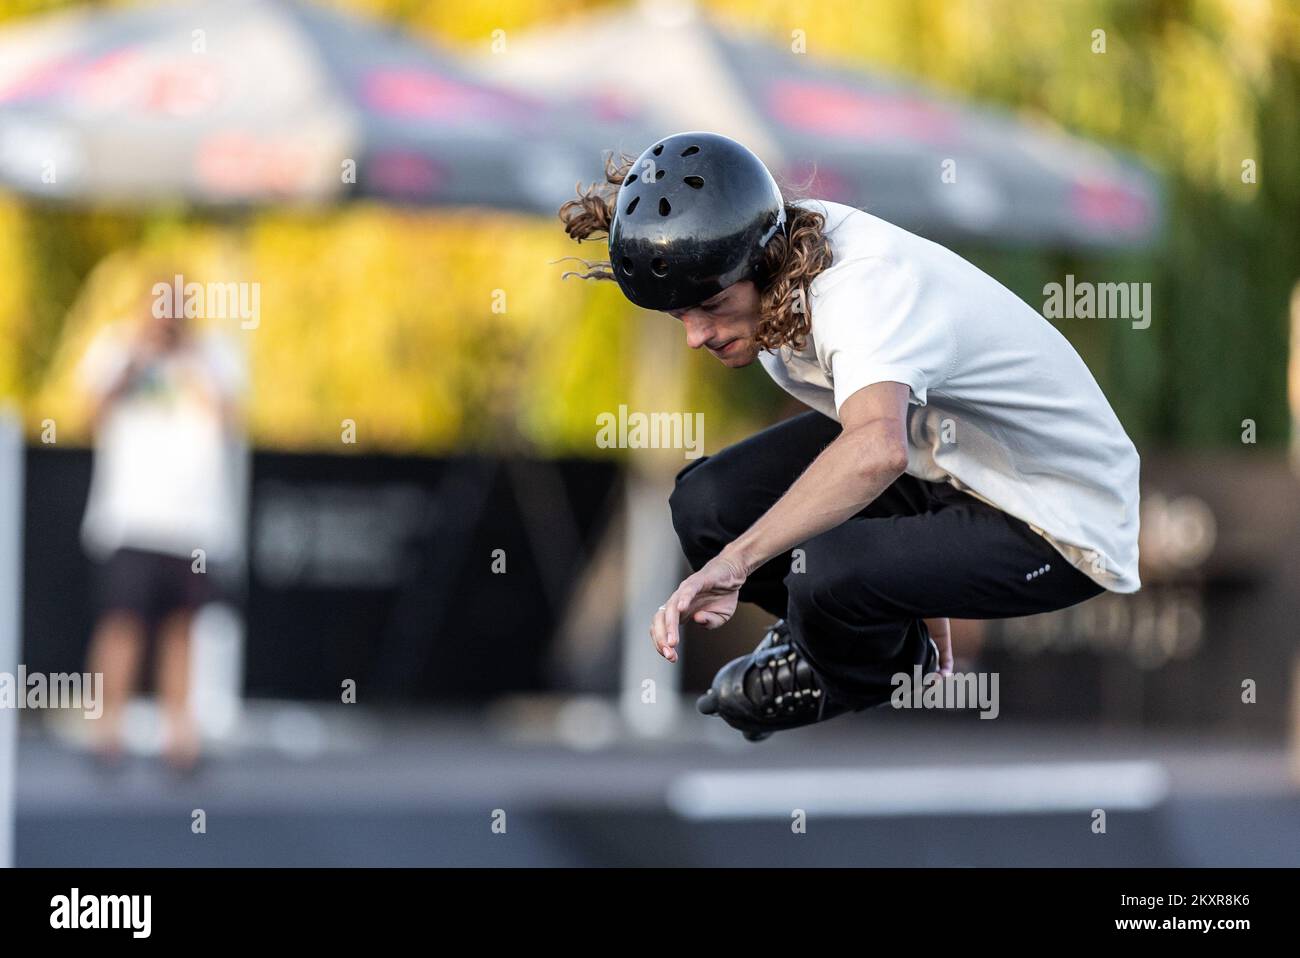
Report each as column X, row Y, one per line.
column 832, row 584
column 817, row 572
column 807, row 589
column 695, row 499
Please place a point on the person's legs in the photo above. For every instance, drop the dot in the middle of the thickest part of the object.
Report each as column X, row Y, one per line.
column 116, row 650
column 718, row 497
column 182, row 738
column 182, row 592
column 125, row 600
column 852, row 613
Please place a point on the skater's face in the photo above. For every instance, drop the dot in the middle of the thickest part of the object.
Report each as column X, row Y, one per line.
column 724, row 324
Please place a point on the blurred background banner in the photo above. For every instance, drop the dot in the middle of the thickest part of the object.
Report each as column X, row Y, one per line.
column 442, row 579
column 361, row 566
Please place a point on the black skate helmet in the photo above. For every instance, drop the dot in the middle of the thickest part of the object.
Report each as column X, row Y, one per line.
column 692, row 218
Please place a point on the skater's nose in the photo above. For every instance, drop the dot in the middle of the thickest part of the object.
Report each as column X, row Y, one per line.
column 697, row 333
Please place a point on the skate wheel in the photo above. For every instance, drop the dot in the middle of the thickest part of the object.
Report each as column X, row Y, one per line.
column 708, row 703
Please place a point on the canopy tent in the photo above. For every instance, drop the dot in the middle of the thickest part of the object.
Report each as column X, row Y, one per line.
column 935, row 165
column 258, row 101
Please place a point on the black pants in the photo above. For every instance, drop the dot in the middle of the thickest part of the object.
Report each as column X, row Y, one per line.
column 920, row 550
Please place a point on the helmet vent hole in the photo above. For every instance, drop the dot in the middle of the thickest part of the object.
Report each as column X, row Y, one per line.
column 631, row 206
column 664, row 206
column 690, row 151
column 659, row 174
column 658, row 149
column 659, row 266
column 694, row 182
column 626, row 265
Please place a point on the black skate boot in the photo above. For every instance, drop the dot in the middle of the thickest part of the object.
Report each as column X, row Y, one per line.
column 775, row 688
column 771, row 689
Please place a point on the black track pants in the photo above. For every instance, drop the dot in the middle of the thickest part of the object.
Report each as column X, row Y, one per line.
column 920, row 550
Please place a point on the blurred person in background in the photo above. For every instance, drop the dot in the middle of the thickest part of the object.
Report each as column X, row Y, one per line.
column 959, row 459
column 160, row 513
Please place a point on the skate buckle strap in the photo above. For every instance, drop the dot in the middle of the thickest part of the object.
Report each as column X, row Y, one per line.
column 782, row 681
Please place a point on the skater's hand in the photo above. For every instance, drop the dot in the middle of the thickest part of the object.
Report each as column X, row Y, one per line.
column 709, row 597
column 941, row 632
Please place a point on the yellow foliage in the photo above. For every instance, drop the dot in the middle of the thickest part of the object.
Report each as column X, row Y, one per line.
column 13, row 299
column 430, row 332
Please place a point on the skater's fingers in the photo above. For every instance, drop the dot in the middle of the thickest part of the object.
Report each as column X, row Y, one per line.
column 710, row 620
column 670, row 632
column 677, row 605
column 659, row 630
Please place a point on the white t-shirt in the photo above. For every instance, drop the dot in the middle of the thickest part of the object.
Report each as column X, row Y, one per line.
column 1002, row 406
column 162, row 469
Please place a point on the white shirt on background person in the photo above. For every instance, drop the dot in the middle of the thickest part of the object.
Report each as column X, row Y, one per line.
column 161, row 475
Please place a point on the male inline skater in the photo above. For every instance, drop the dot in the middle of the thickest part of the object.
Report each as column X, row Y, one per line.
column 958, row 460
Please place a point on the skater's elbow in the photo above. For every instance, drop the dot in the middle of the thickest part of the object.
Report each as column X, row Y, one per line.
column 875, row 426
column 880, row 449
column 892, row 461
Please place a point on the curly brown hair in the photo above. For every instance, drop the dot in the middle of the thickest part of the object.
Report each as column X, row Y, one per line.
column 790, row 260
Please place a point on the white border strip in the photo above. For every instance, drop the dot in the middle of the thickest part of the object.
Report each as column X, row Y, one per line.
column 924, row 790
column 12, row 455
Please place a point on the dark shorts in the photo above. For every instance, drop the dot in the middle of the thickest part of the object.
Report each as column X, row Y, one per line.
column 151, row 584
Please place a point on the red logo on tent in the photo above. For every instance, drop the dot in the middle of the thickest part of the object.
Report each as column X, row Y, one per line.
column 833, row 110
column 429, row 96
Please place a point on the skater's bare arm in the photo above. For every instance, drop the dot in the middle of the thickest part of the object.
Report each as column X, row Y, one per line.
column 869, row 454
